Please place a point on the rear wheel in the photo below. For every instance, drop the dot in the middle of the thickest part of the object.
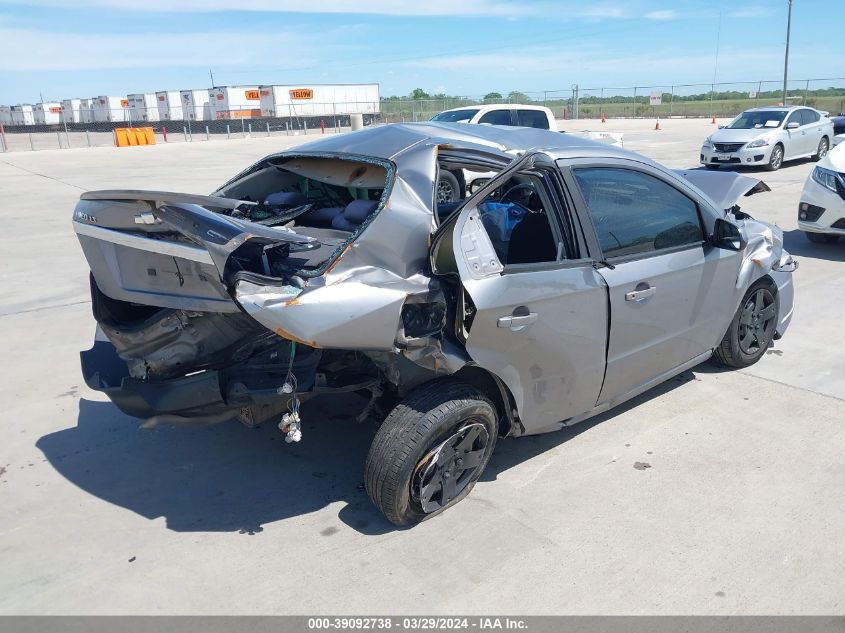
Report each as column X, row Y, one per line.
column 776, row 158
column 821, row 238
column 821, row 152
column 430, row 451
column 752, row 329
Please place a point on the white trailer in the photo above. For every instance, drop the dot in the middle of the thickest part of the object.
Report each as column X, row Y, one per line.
column 108, row 108
column 319, row 99
column 71, row 111
column 5, row 115
column 235, row 102
column 143, row 106
column 86, row 110
column 47, row 113
column 169, row 105
column 196, row 105
column 22, row 114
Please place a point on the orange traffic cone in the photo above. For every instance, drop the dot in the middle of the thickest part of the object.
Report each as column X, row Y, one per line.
column 657, row 124
column 603, row 118
column 713, row 120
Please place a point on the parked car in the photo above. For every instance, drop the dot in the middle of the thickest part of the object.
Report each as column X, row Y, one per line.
column 768, row 137
column 821, row 212
column 455, row 184
column 580, row 276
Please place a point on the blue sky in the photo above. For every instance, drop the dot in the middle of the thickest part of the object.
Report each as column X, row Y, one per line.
column 82, row 48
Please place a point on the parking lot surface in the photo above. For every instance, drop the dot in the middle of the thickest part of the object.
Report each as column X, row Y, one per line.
column 718, row 492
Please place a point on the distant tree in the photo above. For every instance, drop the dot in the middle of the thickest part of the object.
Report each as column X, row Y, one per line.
column 492, row 96
column 514, row 96
column 419, row 93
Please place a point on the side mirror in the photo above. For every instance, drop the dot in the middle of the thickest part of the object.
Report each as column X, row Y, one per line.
column 726, row 235
column 722, row 127
column 793, row 125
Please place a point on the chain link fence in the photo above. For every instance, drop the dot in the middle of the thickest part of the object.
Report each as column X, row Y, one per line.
column 56, row 127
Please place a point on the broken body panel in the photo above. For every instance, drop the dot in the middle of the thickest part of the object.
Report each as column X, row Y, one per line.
column 205, row 304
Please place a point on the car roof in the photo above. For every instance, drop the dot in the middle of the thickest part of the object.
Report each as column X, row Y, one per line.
column 498, row 106
column 777, row 108
column 389, row 141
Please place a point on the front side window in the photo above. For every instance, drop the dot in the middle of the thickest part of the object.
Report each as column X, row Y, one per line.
column 532, row 118
column 518, row 218
column 497, row 117
column 635, row 213
column 795, row 117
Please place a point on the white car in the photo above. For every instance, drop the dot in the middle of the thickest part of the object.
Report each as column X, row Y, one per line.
column 821, row 213
column 453, row 185
column 768, row 137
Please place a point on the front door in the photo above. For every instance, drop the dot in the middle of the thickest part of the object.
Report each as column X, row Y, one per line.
column 668, row 291
column 535, row 312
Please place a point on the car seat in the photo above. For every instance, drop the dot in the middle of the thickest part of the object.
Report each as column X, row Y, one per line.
column 355, row 213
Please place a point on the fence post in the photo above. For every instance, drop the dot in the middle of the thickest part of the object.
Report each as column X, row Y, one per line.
column 88, row 138
column 59, row 138
column 268, row 128
column 249, row 126
column 3, row 138
column 806, row 90
column 67, row 138
column 305, row 126
column 243, row 129
column 228, row 132
column 287, row 128
column 207, row 134
column 185, row 132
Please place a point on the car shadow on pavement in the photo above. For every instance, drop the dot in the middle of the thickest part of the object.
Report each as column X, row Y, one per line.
column 796, row 242
column 229, row 478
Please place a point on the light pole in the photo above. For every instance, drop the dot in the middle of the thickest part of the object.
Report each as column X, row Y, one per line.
column 786, row 55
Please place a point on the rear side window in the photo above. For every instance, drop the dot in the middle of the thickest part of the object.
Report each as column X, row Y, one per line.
column 635, row 213
column 532, row 118
column 497, row 117
column 808, row 117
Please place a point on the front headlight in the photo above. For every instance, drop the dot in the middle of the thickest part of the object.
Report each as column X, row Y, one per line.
column 707, row 143
column 825, row 178
column 760, row 142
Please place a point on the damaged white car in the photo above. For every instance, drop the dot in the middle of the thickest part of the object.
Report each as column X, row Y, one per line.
column 580, row 276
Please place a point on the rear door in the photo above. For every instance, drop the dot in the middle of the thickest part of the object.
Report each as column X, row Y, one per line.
column 533, row 309
column 670, row 293
column 811, row 124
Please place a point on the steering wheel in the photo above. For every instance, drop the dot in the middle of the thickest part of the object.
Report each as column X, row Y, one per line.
column 517, row 187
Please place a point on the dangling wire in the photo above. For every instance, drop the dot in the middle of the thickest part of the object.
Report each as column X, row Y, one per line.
column 291, row 423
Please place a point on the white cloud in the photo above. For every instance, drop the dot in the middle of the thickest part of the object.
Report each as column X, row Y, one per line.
column 663, row 14
column 50, row 51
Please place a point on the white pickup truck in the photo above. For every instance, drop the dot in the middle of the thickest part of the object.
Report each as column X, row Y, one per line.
column 454, row 185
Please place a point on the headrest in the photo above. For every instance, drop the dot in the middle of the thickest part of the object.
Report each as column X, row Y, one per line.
column 285, row 199
column 359, row 210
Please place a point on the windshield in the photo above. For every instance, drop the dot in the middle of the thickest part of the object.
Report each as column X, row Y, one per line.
column 455, row 116
column 758, row 119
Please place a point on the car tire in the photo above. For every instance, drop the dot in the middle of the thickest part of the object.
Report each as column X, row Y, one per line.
column 824, row 147
column 821, row 238
column 448, row 187
column 775, row 158
column 435, row 424
column 708, row 166
column 753, row 327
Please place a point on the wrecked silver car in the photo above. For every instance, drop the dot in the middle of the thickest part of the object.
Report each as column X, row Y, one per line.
column 580, row 276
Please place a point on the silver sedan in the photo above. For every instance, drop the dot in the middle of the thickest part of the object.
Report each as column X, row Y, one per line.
column 768, row 137
column 580, row 276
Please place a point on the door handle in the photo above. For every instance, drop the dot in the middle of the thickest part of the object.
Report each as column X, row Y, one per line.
column 517, row 322
column 640, row 295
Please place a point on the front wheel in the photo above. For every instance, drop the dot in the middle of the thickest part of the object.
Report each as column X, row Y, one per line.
column 776, row 158
column 430, row 451
column 448, row 187
column 752, row 329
